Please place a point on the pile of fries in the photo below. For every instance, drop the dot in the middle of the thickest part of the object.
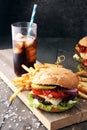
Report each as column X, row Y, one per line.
column 24, row 81
column 82, row 86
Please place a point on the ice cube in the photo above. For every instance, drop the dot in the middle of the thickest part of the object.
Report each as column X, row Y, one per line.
column 19, row 37
column 29, row 41
column 19, row 44
column 17, row 50
column 32, row 58
column 31, row 51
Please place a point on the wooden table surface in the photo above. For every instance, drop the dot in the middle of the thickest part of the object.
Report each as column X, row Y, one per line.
column 17, row 115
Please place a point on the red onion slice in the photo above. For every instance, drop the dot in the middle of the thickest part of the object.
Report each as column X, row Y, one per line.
column 73, row 92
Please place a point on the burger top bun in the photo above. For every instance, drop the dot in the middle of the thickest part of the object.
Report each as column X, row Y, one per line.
column 56, row 76
column 83, row 41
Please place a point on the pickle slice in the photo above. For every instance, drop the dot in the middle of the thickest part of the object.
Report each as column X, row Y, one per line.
column 36, row 86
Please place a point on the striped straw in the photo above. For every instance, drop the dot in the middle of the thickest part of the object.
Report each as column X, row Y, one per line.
column 32, row 18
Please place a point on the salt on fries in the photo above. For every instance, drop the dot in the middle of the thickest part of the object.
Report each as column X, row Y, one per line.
column 24, row 82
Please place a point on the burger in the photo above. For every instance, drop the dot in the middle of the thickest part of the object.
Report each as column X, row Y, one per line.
column 81, row 54
column 54, row 89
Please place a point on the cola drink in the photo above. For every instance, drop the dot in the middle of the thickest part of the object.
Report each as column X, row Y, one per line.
column 24, row 52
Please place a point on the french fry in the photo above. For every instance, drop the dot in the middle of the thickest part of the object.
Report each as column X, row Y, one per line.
column 25, row 68
column 15, row 94
column 36, row 65
column 82, row 88
column 26, row 75
column 83, row 95
column 83, row 79
column 83, row 73
column 27, row 87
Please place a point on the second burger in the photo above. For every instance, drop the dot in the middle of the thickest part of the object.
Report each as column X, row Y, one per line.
column 81, row 54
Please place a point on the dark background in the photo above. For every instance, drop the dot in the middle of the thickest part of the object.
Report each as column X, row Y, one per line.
column 55, row 18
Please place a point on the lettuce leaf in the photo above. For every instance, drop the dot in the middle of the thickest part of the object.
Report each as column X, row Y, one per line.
column 34, row 103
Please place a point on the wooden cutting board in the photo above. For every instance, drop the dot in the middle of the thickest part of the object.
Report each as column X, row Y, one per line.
column 53, row 121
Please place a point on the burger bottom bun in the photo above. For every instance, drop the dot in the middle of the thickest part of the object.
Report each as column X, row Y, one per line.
column 55, row 109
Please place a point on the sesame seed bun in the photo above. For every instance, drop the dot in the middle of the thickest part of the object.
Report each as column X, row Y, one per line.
column 56, row 76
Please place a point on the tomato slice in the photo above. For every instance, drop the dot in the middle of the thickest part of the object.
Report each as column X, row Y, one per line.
column 58, row 94
column 37, row 92
column 86, row 50
column 53, row 93
column 85, row 62
column 82, row 48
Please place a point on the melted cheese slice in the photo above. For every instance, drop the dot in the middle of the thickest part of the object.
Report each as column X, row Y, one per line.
column 52, row 100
